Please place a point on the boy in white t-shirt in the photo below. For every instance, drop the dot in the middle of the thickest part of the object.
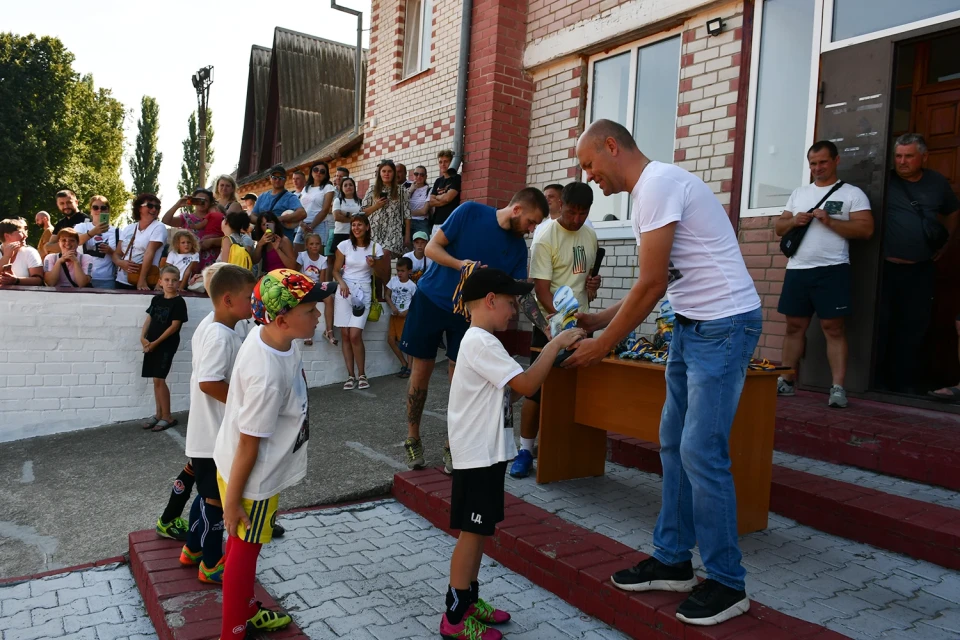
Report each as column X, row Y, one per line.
column 262, row 444
column 314, row 265
column 418, row 256
column 400, row 292
column 215, row 346
column 480, row 426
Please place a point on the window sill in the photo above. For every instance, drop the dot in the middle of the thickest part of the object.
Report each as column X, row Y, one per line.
column 614, row 230
column 419, row 75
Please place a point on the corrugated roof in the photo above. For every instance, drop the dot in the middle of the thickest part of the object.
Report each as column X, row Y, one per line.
column 338, row 145
column 254, row 121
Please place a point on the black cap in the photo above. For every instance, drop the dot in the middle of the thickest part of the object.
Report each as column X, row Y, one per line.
column 278, row 168
column 483, row 281
column 250, row 196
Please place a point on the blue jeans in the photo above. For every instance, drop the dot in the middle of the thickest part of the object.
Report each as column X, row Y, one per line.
column 706, row 369
column 104, row 284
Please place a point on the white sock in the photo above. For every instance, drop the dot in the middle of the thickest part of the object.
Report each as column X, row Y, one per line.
column 527, row 443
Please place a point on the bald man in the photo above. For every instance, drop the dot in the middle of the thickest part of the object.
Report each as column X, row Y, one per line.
column 688, row 251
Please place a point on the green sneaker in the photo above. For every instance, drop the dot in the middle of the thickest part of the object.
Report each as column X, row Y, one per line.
column 447, row 461
column 414, row 449
column 268, row 619
column 175, row 530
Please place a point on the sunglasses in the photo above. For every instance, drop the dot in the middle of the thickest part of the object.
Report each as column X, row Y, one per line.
column 419, row 173
column 278, row 177
column 98, row 207
column 153, row 206
column 319, row 170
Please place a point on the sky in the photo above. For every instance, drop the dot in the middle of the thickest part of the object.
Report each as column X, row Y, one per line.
column 135, row 49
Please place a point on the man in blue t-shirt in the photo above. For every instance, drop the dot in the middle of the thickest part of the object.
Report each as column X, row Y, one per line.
column 278, row 200
column 475, row 233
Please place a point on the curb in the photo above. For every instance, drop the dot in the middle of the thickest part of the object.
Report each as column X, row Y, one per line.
column 55, row 572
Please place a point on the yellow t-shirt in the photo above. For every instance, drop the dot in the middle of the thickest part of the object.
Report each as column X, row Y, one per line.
column 564, row 258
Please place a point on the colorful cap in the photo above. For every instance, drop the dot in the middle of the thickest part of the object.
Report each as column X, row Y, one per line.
column 283, row 289
column 421, row 235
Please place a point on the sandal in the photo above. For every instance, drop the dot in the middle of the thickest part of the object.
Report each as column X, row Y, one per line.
column 163, row 425
column 404, row 372
column 328, row 336
column 362, row 382
column 349, row 384
column 947, row 394
column 150, row 424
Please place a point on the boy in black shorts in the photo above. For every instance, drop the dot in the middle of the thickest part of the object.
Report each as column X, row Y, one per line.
column 160, row 338
column 485, row 384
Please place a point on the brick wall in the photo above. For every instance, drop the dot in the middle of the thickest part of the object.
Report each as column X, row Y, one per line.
column 767, row 266
column 555, row 122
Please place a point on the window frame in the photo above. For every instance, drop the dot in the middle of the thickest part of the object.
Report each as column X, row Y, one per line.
column 827, row 43
column 425, row 38
column 623, row 228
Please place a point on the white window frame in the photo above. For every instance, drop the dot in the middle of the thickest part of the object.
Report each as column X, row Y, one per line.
column 826, row 43
column 623, row 228
column 425, row 39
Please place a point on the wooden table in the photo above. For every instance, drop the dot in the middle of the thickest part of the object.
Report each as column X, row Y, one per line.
column 579, row 406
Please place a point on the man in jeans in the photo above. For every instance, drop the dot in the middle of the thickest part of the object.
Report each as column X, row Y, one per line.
column 907, row 289
column 818, row 274
column 688, row 251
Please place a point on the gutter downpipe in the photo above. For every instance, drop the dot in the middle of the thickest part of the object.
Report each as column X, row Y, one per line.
column 466, row 27
column 358, row 88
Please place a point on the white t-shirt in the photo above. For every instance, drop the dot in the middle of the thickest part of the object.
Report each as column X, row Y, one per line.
column 215, row 347
column 267, row 400
column 86, row 265
column 27, row 258
column 103, row 268
column 479, row 413
column 355, row 268
column 156, row 232
column 418, row 198
column 311, row 268
column 401, row 293
column 419, row 264
column 348, row 208
column 312, row 200
column 822, row 247
column 182, row 260
column 708, row 278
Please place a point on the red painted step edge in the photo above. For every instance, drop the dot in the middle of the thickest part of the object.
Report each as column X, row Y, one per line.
column 575, row 564
column 914, row 528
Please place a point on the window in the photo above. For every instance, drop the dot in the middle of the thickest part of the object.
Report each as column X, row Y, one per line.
column 418, row 27
column 852, row 18
column 639, row 89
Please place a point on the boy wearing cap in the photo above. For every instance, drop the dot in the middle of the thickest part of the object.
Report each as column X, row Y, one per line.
column 262, row 445
column 485, row 384
column 418, row 257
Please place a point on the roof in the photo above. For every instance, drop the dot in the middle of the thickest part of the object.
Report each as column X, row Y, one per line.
column 337, row 145
column 254, row 120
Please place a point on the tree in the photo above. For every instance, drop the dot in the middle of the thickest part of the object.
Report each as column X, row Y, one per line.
column 190, row 168
column 145, row 164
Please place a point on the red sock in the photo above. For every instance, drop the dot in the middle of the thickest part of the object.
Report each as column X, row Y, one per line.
column 239, row 572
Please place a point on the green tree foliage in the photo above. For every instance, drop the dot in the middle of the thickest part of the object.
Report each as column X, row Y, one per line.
column 56, row 129
column 145, row 164
column 190, row 168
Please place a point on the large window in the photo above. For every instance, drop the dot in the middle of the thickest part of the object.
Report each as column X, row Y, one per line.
column 418, row 27
column 638, row 87
column 852, row 18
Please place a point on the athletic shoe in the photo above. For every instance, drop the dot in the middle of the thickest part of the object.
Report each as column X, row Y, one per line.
column 278, row 530
column 522, row 464
column 268, row 619
column 838, row 397
column 653, row 575
column 487, row 613
column 468, row 629
column 414, row 449
column 785, row 388
column 211, row 576
column 447, row 461
column 712, row 603
column 175, row 530
column 189, row 558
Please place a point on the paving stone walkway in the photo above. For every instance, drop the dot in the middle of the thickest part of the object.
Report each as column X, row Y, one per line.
column 852, row 588
column 379, row 571
column 93, row 604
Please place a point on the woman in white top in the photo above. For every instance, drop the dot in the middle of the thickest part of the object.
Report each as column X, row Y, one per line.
column 140, row 244
column 20, row 264
column 357, row 258
column 345, row 206
column 317, row 201
column 99, row 240
column 419, row 203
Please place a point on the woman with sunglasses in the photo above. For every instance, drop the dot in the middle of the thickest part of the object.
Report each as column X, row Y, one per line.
column 140, row 244
column 99, row 240
column 419, row 203
column 317, row 199
column 206, row 221
column 387, row 205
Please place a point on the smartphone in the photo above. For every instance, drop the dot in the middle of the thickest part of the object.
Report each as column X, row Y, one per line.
column 194, row 201
column 833, row 207
column 384, row 194
column 7, row 268
column 105, row 218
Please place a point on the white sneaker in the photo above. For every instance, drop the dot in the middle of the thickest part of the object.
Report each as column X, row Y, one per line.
column 785, row 387
column 838, row 397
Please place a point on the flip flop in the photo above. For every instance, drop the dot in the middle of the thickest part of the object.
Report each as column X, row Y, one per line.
column 150, row 424
column 952, row 394
column 163, row 425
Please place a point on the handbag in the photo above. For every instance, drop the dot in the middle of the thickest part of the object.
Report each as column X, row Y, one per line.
column 935, row 233
column 790, row 242
column 376, row 308
column 153, row 273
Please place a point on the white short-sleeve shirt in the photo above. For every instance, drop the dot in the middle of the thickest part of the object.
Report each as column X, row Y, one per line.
column 215, row 347
column 312, row 200
column 348, row 208
column 27, row 258
column 156, row 232
column 823, row 247
column 401, row 293
column 311, row 268
column 182, row 260
column 103, row 268
column 479, row 413
column 355, row 268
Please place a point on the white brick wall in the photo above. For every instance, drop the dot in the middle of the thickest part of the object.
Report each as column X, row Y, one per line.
column 72, row 361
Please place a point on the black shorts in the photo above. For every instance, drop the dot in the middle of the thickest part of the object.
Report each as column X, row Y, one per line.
column 205, row 475
column 157, row 363
column 825, row 291
column 537, row 341
column 476, row 504
column 426, row 324
column 338, row 238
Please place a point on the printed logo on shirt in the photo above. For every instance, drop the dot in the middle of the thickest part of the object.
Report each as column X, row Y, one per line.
column 507, row 409
column 673, row 274
column 312, row 271
column 579, row 260
column 304, row 434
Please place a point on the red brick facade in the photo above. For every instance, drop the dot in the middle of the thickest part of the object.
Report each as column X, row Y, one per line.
column 761, row 252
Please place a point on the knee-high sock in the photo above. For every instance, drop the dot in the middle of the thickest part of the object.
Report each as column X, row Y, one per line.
column 211, row 518
column 238, row 576
column 179, row 495
column 196, row 526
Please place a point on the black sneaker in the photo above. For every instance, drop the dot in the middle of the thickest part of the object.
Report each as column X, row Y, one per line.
column 278, row 531
column 653, row 575
column 712, row 603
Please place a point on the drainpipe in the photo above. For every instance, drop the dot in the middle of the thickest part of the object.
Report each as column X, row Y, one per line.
column 358, row 89
column 466, row 26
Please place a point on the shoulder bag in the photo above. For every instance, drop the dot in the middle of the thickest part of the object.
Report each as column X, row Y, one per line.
column 935, row 233
column 153, row 272
column 376, row 308
column 790, row 241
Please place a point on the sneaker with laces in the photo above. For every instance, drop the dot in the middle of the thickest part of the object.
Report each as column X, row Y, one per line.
column 468, row 629
column 176, row 529
column 653, row 575
column 211, row 576
column 486, row 613
column 278, row 530
column 268, row 619
column 712, row 603
column 189, row 558
column 838, row 397
column 785, row 388
column 447, row 461
column 522, row 464
column 414, row 449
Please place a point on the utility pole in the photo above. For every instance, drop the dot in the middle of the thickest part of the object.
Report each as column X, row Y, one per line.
column 202, row 80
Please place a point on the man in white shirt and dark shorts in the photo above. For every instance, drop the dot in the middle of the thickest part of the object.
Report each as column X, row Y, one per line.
column 687, row 250
column 818, row 274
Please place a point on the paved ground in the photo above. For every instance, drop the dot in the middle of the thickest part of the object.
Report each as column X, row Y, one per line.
column 855, row 589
